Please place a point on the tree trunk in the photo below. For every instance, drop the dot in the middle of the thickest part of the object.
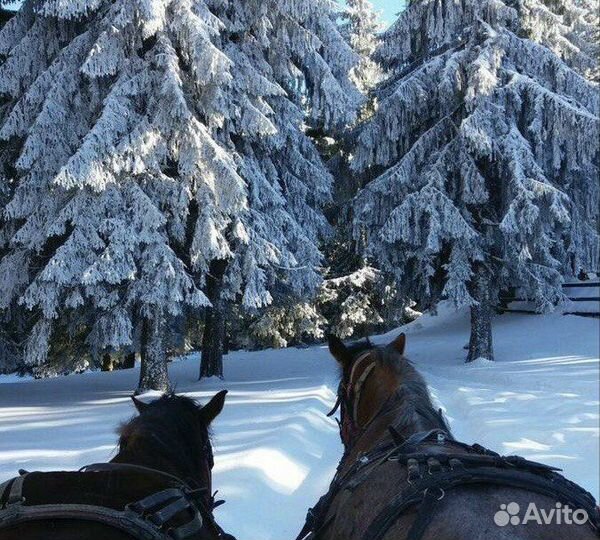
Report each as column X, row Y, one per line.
column 107, row 362
column 213, row 338
column 480, row 342
column 153, row 372
column 129, row 360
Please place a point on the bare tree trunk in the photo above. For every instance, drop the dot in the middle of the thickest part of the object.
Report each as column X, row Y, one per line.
column 211, row 363
column 129, row 360
column 480, row 342
column 153, row 372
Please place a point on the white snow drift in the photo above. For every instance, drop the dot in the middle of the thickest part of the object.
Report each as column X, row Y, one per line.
column 275, row 449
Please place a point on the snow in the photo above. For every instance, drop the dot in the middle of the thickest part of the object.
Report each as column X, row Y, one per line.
column 12, row 378
column 276, row 451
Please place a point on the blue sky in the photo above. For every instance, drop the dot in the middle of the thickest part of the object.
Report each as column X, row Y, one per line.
column 389, row 8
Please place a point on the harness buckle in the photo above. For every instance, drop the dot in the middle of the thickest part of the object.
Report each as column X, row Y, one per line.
column 426, row 492
column 433, row 465
column 413, row 470
column 456, row 463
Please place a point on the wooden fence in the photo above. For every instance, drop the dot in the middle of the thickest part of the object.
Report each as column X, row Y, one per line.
column 584, row 296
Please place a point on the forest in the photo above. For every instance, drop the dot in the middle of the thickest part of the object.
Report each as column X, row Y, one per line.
column 217, row 175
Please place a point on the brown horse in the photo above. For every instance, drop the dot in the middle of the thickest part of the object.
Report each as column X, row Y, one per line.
column 404, row 476
column 158, row 486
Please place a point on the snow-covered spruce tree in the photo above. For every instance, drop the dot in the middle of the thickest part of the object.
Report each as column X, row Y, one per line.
column 485, row 157
column 570, row 28
column 349, row 297
column 111, row 112
column 360, row 29
column 348, row 302
column 356, row 299
column 291, row 73
column 279, row 325
column 10, row 357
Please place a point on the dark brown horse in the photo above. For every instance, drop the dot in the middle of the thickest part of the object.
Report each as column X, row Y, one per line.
column 158, row 486
column 404, row 476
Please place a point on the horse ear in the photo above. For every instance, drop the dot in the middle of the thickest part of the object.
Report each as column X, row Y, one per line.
column 212, row 409
column 139, row 405
column 399, row 343
column 338, row 350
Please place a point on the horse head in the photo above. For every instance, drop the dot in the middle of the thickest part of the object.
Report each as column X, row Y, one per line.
column 172, row 435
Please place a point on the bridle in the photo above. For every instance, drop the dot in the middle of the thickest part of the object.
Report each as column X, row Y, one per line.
column 429, row 472
column 348, row 400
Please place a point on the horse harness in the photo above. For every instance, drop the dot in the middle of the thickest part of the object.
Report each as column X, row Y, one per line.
column 178, row 512
column 349, row 399
column 431, row 471
column 431, row 474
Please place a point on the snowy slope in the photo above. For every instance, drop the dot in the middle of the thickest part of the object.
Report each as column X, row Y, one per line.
column 275, row 449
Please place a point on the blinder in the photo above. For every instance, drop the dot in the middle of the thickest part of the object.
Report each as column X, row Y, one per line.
column 348, row 399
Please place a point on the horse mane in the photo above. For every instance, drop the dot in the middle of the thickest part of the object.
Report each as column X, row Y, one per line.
column 417, row 410
column 170, row 430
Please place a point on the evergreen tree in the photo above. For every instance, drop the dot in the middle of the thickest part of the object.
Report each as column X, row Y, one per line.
column 145, row 173
column 299, row 323
column 354, row 292
column 484, row 158
column 110, row 121
column 361, row 27
column 10, row 357
column 570, row 28
column 349, row 304
column 292, row 72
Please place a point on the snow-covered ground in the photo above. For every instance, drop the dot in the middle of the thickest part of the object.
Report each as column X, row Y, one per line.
column 275, row 449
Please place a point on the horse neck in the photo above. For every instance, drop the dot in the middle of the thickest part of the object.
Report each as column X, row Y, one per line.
column 150, row 458
column 408, row 410
column 415, row 412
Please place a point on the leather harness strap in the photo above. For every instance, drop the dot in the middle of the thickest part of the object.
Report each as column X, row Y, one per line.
column 125, row 521
column 147, row 518
column 431, row 488
column 359, row 360
column 347, row 390
column 358, row 390
column 209, row 502
column 15, row 494
column 111, row 467
column 352, row 391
